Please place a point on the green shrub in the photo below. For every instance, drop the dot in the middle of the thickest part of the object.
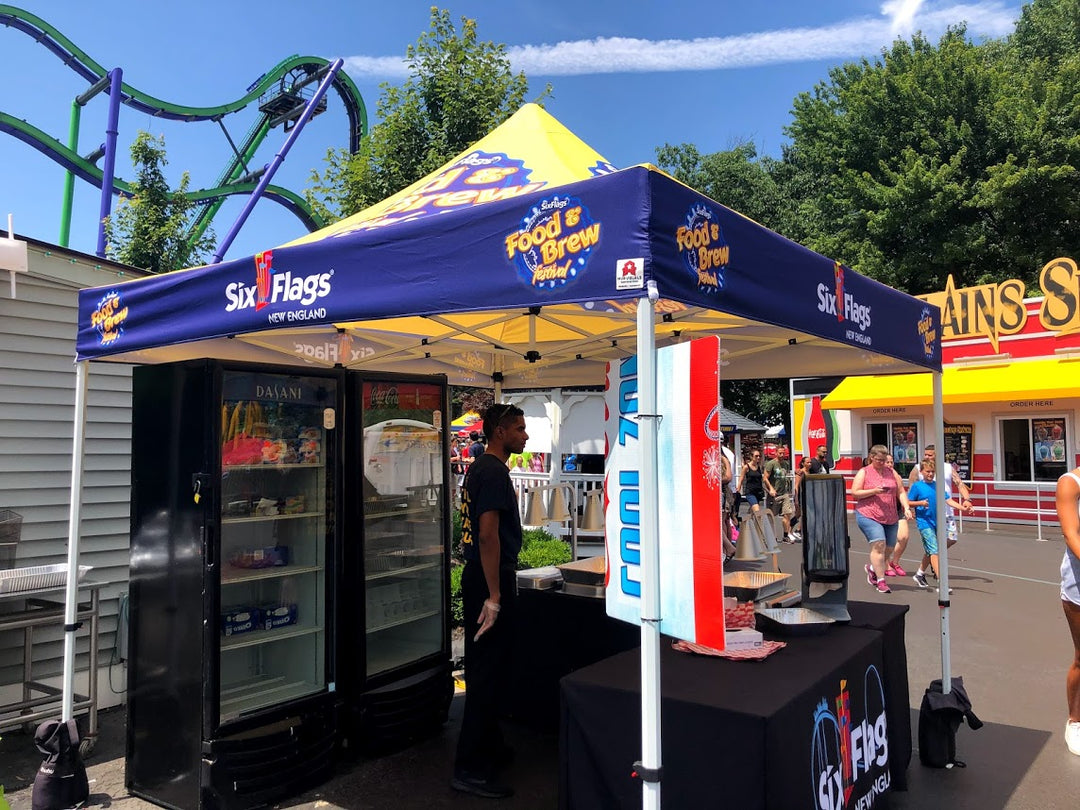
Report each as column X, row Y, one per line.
column 538, row 548
column 455, row 533
column 457, row 608
column 540, row 551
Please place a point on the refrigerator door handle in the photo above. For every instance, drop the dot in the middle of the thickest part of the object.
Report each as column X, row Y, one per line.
column 200, row 482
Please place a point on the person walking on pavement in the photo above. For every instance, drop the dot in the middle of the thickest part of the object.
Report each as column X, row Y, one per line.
column 727, row 484
column 821, row 464
column 953, row 483
column 923, row 497
column 1068, row 511
column 893, row 567
column 781, row 503
column 491, row 539
column 753, row 484
column 800, row 478
column 875, row 490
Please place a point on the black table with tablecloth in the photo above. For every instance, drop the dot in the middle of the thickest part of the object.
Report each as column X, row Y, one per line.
column 824, row 718
column 558, row 633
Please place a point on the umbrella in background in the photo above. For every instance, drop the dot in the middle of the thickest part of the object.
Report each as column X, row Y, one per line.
column 466, row 424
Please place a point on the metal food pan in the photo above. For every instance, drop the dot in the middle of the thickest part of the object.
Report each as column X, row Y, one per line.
column 750, row 586
column 587, row 571
column 38, row 577
column 794, row 621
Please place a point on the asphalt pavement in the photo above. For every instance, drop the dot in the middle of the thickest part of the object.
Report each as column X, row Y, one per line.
column 1009, row 642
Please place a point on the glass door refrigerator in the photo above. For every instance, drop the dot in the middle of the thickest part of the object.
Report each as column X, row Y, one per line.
column 395, row 624
column 235, row 488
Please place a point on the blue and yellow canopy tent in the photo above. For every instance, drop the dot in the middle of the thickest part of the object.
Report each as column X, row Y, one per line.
column 579, row 265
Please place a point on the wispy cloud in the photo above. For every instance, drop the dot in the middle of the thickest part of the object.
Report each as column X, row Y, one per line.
column 852, row 38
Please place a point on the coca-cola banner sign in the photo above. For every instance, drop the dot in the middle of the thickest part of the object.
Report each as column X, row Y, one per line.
column 406, row 396
column 813, row 427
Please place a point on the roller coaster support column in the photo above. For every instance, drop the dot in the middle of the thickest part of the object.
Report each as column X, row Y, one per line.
column 279, row 158
column 73, row 144
column 69, row 176
column 116, row 81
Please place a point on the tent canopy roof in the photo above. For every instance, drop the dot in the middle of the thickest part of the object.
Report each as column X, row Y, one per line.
column 563, row 247
column 989, row 381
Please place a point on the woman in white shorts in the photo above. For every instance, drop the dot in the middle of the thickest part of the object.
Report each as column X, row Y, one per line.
column 1068, row 510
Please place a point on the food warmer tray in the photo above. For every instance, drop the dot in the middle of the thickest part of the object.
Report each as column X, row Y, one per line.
column 587, row 571
column 793, row 621
column 539, row 579
column 750, row 586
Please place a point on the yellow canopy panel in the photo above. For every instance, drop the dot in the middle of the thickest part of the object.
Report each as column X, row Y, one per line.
column 1058, row 378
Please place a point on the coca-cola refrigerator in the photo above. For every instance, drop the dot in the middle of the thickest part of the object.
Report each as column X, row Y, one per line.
column 266, row 629
column 395, row 624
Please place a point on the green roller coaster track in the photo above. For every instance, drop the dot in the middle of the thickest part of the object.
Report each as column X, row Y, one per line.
column 288, row 76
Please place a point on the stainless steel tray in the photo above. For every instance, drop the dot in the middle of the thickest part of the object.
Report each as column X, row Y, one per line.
column 587, row 571
column 750, row 586
column 539, row 579
column 794, row 621
column 580, row 589
column 37, row 577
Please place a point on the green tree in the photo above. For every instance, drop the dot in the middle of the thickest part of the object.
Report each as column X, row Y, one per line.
column 957, row 158
column 459, row 89
column 765, row 401
column 150, row 228
column 740, row 180
column 736, row 178
column 464, row 399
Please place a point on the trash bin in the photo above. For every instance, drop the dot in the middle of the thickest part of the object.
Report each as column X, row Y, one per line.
column 10, row 529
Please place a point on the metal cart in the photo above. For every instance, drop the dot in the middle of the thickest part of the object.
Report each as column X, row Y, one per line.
column 40, row 701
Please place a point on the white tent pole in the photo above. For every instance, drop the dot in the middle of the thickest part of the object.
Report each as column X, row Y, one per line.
column 71, row 599
column 943, row 533
column 649, row 515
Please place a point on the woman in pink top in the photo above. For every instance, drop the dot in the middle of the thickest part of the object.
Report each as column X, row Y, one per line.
column 876, row 489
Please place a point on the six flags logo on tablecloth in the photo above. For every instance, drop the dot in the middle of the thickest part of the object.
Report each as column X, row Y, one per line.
column 850, row 750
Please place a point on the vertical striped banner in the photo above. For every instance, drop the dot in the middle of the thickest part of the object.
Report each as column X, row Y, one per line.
column 689, row 494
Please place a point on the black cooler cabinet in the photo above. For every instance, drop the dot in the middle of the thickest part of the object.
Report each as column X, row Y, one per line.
column 236, row 486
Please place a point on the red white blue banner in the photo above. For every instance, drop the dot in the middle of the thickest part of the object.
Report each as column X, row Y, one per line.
column 689, row 492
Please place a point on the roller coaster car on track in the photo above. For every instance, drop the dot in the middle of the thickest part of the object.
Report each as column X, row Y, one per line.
column 286, row 102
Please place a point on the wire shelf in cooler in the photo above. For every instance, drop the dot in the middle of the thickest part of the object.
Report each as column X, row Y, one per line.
column 396, row 572
column 256, row 637
column 257, row 693
column 272, row 466
column 390, row 654
column 257, row 518
column 412, row 617
column 251, row 574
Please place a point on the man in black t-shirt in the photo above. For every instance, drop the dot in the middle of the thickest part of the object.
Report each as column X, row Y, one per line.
column 821, row 463
column 491, row 540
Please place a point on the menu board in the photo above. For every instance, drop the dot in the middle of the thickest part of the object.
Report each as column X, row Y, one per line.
column 1048, row 447
column 959, row 447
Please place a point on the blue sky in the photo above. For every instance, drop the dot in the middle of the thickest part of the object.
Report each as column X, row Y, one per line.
column 627, row 77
